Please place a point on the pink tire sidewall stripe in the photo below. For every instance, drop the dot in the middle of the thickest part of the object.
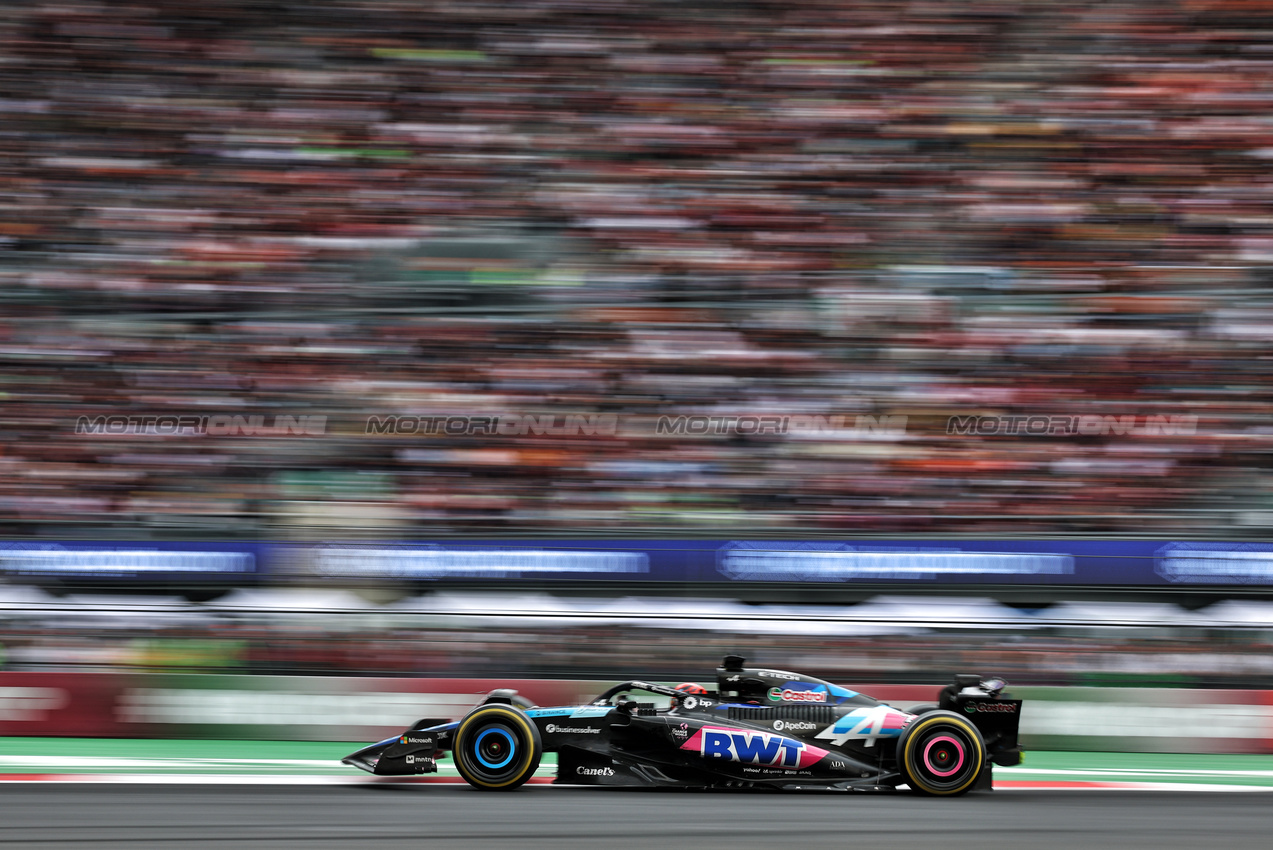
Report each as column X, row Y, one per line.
column 928, row 764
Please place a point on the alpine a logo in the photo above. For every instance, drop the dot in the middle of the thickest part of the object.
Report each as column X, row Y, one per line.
column 760, row 748
column 789, row 695
column 594, row 771
column 990, row 708
column 867, row 725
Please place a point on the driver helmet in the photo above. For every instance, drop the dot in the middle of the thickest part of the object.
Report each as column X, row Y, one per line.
column 691, row 688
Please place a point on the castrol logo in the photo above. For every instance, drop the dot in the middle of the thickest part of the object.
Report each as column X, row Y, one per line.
column 788, row 695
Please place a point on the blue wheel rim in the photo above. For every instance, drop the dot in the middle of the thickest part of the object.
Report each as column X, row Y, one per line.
column 477, row 747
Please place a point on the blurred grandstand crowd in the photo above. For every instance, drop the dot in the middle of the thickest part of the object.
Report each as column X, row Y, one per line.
column 326, row 646
column 378, row 207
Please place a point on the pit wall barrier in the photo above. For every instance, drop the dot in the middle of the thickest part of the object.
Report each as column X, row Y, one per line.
column 304, row 708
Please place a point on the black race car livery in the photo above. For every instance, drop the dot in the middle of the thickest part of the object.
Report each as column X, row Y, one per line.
column 760, row 728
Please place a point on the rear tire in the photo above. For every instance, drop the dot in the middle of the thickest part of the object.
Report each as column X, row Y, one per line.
column 497, row 747
column 941, row 754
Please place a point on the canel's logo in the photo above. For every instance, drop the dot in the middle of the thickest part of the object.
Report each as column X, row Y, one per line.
column 594, row 771
column 753, row 748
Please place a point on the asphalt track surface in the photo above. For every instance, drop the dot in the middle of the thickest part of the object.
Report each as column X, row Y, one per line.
column 543, row 816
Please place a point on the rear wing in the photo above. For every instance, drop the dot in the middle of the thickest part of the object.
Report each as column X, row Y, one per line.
column 996, row 715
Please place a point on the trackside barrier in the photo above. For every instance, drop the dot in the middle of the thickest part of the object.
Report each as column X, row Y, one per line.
column 303, row 708
column 1168, row 720
column 355, row 709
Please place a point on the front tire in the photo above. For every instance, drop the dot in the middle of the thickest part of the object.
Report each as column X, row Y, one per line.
column 497, row 747
column 941, row 754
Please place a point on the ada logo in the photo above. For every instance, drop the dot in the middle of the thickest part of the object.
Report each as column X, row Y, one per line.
column 760, row 748
column 790, row 695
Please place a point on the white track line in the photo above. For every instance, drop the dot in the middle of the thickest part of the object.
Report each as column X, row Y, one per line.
column 312, row 779
column 117, row 762
column 227, row 779
column 1112, row 785
column 1126, row 771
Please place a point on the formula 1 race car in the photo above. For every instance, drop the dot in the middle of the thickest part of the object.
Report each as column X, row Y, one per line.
column 759, row 729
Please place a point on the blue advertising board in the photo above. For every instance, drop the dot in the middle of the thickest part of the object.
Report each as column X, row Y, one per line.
column 129, row 560
column 898, row 562
column 903, row 562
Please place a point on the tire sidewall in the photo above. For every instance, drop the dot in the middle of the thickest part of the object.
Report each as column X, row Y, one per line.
column 525, row 761
column 925, row 728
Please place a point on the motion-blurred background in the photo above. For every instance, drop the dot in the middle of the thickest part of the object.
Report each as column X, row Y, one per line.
column 442, row 277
